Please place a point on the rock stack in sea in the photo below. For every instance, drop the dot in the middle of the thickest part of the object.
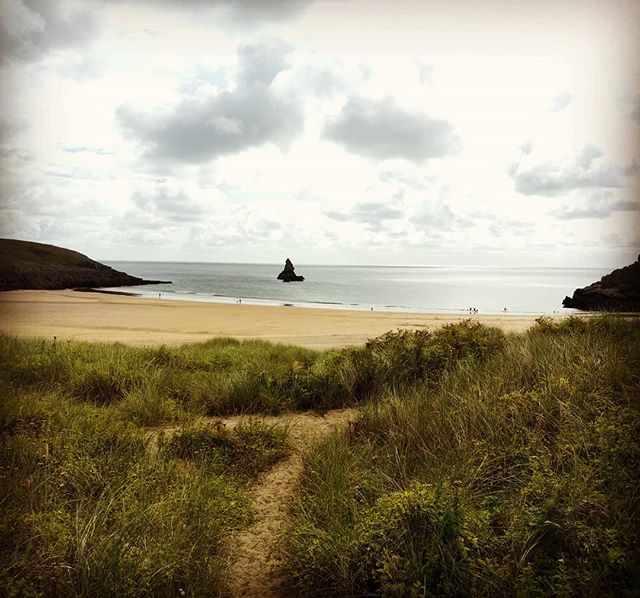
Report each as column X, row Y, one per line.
column 618, row 291
column 289, row 274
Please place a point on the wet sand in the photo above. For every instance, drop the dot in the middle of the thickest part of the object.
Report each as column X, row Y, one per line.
column 137, row 321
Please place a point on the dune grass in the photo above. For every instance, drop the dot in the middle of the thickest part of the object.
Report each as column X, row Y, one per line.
column 515, row 474
column 481, row 463
column 226, row 376
column 95, row 503
column 88, row 509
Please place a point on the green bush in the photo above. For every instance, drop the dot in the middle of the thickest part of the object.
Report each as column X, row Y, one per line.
column 245, row 450
column 515, row 473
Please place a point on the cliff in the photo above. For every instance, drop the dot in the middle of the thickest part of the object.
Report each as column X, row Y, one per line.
column 617, row 291
column 29, row 265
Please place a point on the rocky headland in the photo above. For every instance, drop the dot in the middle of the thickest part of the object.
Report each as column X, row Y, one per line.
column 617, row 291
column 29, row 265
column 289, row 274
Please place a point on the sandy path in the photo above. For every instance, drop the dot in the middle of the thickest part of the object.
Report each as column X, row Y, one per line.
column 254, row 570
column 137, row 321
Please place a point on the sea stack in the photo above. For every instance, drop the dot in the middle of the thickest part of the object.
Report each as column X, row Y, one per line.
column 618, row 291
column 289, row 274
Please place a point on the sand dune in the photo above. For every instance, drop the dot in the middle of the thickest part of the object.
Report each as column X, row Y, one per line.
column 137, row 321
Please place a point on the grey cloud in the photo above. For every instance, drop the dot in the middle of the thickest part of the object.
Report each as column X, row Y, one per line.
column 634, row 110
column 10, row 127
column 30, row 28
column 526, row 147
column 561, row 101
column 517, row 228
column 381, row 129
column 615, row 241
column 174, row 205
column 390, row 176
column 595, row 206
column 261, row 62
column 203, row 76
column 426, row 72
column 587, row 155
column 322, row 81
column 82, row 149
column 438, row 215
column 551, row 179
column 339, row 216
column 238, row 12
column 197, row 129
column 253, row 11
column 369, row 212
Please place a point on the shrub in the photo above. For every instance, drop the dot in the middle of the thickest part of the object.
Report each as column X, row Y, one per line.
column 245, row 450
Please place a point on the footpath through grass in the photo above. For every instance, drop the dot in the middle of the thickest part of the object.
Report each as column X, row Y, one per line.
column 516, row 474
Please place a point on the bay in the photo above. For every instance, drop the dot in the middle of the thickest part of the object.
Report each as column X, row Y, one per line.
column 390, row 288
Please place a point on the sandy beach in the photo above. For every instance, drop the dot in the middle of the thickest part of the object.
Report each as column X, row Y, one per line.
column 136, row 321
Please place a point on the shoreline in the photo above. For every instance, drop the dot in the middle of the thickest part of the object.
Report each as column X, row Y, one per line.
column 194, row 297
column 136, row 320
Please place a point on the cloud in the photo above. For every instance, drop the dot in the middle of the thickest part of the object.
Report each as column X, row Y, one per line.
column 439, row 216
column 414, row 182
column 260, row 63
column 585, row 171
column 526, row 147
column 85, row 149
column 255, row 11
column 30, row 28
column 381, row 129
column 425, row 72
column 632, row 106
column 561, row 101
column 323, row 81
column 595, row 206
column 516, row 228
column 173, row 205
column 198, row 129
column 237, row 12
column 372, row 213
column 615, row 241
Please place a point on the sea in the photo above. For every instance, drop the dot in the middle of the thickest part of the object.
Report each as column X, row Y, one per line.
column 429, row 289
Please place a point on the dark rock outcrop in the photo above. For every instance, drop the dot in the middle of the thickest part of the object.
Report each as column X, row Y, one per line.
column 29, row 265
column 618, row 291
column 289, row 274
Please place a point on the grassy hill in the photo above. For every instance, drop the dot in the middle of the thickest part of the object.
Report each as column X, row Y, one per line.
column 29, row 265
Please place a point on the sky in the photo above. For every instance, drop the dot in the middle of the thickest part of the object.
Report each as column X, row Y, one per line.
column 502, row 132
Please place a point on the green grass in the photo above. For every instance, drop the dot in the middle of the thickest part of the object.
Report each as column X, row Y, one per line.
column 516, row 474
column 227, row 376
column 480, row 463
column 89, row 509
column 243, row 451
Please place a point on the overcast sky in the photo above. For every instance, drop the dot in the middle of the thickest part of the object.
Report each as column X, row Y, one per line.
column 330, row 131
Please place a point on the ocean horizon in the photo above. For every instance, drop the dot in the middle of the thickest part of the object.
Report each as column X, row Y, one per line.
column 447, row 289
